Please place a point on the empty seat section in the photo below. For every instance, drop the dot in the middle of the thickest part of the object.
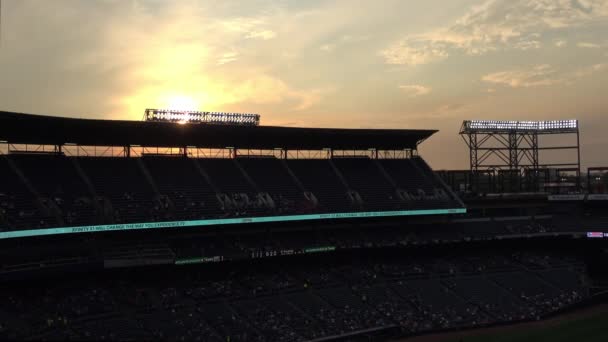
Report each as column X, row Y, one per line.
column 353, row 312
column 529, row 288
column 426, row 169
column 411, row 179
column 276, row 322
column 364, row 176
column 428, row 295
column 121, row 181
column 227, row 324
column 181, row 324
column 318, row 177
column 327, row 318
column 56, row 178
column 405, row 174
column 502, row 304
column 341, row 298
column 228, row 178
column 179, row 179
column 565, row 279
column 272, row 177
column 390, row 304
column 17, row 204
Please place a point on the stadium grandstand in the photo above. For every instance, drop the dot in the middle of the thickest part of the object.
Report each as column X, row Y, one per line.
column 211, row 227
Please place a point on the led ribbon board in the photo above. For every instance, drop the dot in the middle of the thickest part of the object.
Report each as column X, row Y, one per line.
column 217, row 222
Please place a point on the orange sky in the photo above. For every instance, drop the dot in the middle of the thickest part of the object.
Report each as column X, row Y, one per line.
column 338, row 63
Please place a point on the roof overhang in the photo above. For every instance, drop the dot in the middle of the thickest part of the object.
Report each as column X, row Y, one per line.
column 19, row 128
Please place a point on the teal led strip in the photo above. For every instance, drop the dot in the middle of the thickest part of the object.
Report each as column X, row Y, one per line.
column 320, row 249
column 214, row 222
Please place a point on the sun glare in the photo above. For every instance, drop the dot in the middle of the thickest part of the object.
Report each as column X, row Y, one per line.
column 181, row 103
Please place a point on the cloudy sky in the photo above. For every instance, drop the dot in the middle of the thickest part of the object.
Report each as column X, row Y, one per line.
column 327, row 63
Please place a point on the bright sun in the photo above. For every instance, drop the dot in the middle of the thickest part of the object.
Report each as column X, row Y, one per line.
column 181, row 102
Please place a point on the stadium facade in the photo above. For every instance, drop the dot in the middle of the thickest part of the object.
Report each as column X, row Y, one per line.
column 257, row 233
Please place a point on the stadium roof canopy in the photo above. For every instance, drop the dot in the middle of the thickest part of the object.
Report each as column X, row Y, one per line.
column 18, row 128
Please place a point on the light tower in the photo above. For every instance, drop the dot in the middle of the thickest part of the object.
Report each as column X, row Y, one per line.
column 514, row 147
column 190, row 116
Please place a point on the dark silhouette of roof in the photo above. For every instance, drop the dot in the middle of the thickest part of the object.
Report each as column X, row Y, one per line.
column 19, row 128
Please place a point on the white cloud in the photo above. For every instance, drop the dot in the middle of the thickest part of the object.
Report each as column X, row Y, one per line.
column 512, row 24
column 263, row 34
column 590, row 70
column 252, row 28
column 448, row 110
column 227, row 58
column 588, row 45
column 560, row 43
column 527, row 45
column 540, row 75
column 414, row 90
column 264, row 89
column 327, row 47
column 354, row 39
column 346, row 39
column 242, row 24
column 404, row 54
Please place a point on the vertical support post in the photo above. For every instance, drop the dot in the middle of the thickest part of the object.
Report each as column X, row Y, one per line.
column 374, row 153
column 409, row 153
column 535, row 161
column 513, row 151
column 513, row 160
column 588, row 181
column 473, row 162
column 578, row 155
column 535, row 153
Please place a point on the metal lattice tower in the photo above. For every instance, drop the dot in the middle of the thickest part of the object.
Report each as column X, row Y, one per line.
column 513, row 147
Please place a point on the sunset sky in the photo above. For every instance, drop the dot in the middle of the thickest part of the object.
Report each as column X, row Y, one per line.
column 334, row 63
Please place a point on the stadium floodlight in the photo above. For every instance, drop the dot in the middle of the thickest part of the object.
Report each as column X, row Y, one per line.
column 540, row 126
column 514, row 146
column 187, row 116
